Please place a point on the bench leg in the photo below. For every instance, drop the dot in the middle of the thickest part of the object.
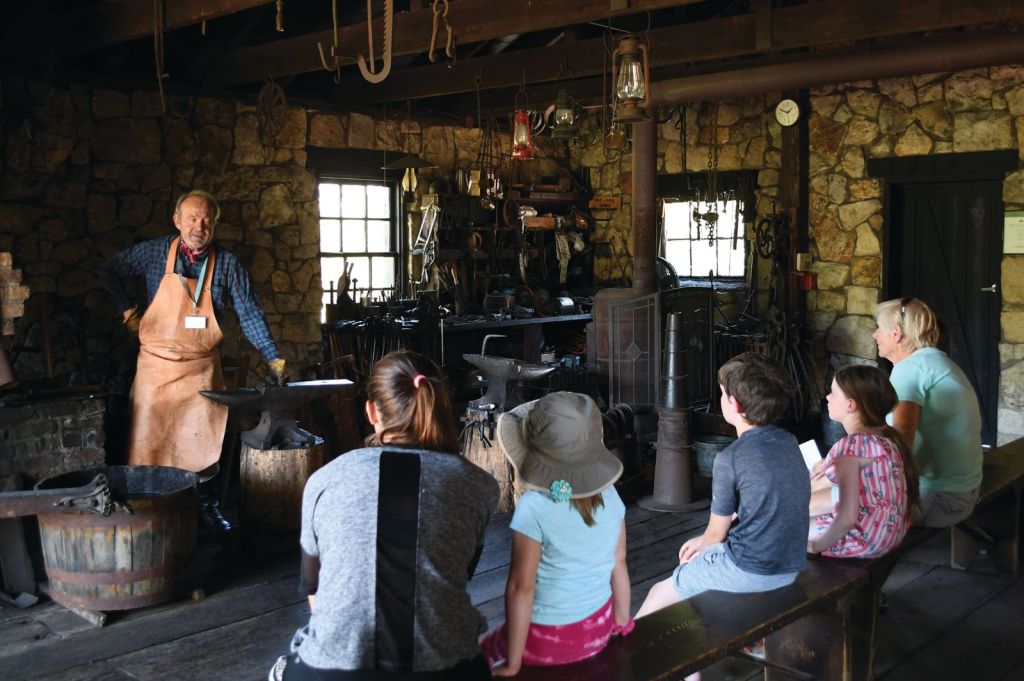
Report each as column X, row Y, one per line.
column 1000, row 520
column 836, row 644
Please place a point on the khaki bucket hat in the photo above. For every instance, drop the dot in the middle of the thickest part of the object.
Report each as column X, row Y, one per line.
column 556, row 445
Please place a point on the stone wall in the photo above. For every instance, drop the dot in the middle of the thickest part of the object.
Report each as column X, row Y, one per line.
column 746, row 138
column 975, row 110
column 89, row 172
column 51, row 437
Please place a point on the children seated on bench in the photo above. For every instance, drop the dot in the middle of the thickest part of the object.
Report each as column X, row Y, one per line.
column 866, row 488
column 568, row 588
column 763, row 480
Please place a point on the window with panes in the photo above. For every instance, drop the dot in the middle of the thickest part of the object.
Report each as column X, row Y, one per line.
column 695, row 249
column 358, row 229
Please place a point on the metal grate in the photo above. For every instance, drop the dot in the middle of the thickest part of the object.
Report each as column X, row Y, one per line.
column 634, row 342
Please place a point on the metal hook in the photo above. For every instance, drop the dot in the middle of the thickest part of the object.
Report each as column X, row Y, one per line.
column 366, row 66
column 336, row 69
column 449, row 48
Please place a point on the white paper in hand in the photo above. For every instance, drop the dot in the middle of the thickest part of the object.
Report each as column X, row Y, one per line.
column 812, row 454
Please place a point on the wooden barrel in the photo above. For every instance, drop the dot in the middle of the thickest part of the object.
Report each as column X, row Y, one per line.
column 272, row 483
column 125, row 560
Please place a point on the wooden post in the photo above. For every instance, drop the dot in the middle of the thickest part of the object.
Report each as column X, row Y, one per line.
column 827, row 645
column 1000, row 520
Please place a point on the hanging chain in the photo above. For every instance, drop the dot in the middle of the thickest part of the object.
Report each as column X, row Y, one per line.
column 711, row 216
column 477, row 81
column 159, row 25
column 682, row 138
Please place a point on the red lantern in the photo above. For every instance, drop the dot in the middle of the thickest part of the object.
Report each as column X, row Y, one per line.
column 522, row 136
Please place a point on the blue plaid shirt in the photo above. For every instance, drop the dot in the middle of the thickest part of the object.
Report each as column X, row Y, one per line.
column 229, row 279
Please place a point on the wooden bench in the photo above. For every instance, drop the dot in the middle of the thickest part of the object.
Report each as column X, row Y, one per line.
column 690, row 635
column 994, row 525
column 821, row 627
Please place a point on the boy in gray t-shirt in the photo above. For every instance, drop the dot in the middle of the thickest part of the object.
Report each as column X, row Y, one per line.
column 762, row 479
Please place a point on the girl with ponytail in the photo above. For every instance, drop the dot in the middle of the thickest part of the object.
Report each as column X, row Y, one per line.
column 391, row 534
column 865, row 490
column 407, row 404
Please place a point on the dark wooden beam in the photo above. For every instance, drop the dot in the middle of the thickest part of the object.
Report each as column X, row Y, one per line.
column 813, row 25
column 544, row 64
column 119, row 21
column 472, row 21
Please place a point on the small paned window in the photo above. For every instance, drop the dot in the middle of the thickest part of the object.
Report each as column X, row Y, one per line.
column 358, row 231
column 704, row 239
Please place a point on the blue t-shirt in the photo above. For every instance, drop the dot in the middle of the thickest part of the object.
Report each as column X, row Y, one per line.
column 763, row 479
column 576, row 561
column 947, row 444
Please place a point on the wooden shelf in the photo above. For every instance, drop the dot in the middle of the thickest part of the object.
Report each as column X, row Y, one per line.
column 504, row 254
column 548, row 197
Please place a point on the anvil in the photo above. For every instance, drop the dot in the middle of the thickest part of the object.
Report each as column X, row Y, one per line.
column 498, row 371
column 277, row 404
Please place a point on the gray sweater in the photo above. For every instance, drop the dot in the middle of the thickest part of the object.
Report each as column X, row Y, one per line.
column 397, row 532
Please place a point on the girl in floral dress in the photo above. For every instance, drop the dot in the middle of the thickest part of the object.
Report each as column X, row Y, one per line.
column 864, row 491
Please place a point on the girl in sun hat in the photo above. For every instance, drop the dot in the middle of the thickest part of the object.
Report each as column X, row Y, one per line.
column 568, row 588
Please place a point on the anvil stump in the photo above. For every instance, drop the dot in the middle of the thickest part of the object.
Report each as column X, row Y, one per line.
column 272, row 483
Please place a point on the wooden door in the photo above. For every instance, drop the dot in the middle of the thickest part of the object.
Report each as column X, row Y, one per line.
column 945, row 243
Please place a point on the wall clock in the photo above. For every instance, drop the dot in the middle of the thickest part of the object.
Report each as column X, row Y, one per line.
column 787, row 112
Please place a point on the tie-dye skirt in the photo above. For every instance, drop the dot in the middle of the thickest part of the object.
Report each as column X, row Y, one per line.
column 548, row 644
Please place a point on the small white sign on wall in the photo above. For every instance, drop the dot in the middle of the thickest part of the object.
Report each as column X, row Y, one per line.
column 1013, row 231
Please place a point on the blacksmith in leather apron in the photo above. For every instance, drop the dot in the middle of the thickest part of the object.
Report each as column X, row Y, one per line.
column 172, row 424
column 179, row 336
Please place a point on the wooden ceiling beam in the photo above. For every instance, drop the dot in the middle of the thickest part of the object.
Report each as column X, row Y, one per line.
column 472, row 21
column 812, row 25
column 544, row 64
column 119, row 21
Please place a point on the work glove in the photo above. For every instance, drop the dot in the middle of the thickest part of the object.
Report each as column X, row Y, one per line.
column 132, row 319
column 277, row 370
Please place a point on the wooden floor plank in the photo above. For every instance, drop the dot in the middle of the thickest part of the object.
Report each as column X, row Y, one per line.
column 983, row 646
column 242, row 650
column 926, row 608
column 144, row 630
column 93, row 671
column 21, row 633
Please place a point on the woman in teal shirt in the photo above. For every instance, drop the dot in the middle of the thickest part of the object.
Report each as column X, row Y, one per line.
column 937, row 411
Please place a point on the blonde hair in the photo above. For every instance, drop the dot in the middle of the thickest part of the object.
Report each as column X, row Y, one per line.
column 586, row 507
column 919, row 324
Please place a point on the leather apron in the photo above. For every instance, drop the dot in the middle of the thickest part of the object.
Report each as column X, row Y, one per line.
column 172, row 424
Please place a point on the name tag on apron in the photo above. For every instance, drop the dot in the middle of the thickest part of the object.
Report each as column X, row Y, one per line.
column 195, row 322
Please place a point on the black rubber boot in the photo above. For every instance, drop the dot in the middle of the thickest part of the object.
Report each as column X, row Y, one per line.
column 213, row 523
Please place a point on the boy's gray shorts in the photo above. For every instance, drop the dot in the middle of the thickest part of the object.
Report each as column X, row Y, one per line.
column 713, row 570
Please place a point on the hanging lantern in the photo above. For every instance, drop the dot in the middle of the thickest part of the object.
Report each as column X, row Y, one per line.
column 522, row 137
column 566, row 117
column 631, row 76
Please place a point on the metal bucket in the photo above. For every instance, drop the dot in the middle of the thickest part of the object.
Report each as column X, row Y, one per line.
column 707, row 448
column 124, row 560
